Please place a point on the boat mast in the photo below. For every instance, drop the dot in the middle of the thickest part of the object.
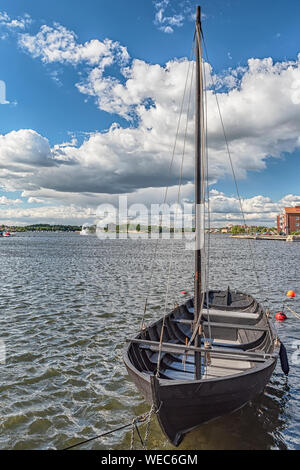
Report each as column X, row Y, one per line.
column 198, row 187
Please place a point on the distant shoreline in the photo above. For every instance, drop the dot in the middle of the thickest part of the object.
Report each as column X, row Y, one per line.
column 41, row 228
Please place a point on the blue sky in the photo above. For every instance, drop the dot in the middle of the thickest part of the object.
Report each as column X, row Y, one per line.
column 57, row 144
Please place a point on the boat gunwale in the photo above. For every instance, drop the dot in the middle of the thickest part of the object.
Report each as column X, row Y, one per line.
column 170, row 382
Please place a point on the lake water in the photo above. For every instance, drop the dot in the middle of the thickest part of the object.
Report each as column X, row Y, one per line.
column 68, row 302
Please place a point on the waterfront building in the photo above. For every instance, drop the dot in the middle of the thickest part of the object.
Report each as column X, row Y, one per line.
column 289, row 220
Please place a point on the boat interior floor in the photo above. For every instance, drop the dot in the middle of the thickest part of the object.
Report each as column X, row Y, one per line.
column 182, row 367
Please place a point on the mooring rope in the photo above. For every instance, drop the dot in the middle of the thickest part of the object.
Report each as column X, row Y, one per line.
column 133, row 424
column 98, row 437
column 293, row 312
column 135, row 427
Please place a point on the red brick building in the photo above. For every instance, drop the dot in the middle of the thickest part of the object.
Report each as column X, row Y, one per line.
column 289, row 220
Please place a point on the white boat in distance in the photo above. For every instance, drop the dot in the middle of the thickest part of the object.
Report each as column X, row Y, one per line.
column 84, row 229
column 88, row 229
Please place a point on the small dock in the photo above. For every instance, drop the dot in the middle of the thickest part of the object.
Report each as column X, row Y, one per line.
column 288, row 238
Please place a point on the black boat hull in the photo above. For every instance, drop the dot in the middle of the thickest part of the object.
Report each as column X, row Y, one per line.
column 183, row 405
column 196, row 404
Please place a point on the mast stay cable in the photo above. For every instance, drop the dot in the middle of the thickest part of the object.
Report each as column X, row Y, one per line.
column 234, row 177
column 172, row 245
column 166, row 189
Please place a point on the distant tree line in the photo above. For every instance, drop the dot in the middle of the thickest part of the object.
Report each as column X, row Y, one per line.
column 45, row 228
column 252, row 229
column 143, row 228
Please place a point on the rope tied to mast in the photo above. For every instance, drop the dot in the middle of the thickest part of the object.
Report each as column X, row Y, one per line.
column 198, row 309
column 176, row 214
column 233, row 171
column 167, row 186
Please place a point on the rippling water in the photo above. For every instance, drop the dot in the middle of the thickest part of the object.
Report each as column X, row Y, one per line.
column 67, row 303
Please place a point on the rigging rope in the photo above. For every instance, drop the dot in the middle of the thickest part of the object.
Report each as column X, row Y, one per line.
column 204, row 148
column 235, row 179
column 198, row 32
column 172, row 245
column 196, row 327
column 207, row 265
column 166, row 189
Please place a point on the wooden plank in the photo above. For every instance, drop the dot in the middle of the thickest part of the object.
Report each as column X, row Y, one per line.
column 227, row 313
column 213, row 354
column 224, row 325
column 167, row 347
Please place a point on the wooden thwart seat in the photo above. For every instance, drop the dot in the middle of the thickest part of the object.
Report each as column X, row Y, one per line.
column 224, row 325
column 229, row 315
column 229, row 353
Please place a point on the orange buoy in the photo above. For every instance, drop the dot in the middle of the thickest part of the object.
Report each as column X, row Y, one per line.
column 280, row 316
column 291, row 294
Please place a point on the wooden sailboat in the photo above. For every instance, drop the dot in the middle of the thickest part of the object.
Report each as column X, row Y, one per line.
column 211, row 355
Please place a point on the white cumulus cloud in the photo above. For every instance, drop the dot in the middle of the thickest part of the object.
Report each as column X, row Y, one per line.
column 166, row 16
column 23, row 149
column 260, row 105
column 124, row 159
column 4, row 201
column 76, row 208
column 14, row 23
column 35, row 200
column 58, row 44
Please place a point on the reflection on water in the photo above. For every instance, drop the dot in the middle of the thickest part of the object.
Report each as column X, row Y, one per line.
column 69, row 302
column 258, row 425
